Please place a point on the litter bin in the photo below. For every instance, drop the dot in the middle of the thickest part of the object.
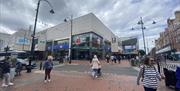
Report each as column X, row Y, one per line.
column 133, row 63
column 170, row 77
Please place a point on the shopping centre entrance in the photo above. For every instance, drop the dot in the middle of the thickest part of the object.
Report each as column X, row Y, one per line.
column 86, row 54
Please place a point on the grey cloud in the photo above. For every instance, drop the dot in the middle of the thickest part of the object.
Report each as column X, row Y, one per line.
column 60, row 8
column 15, row 14
column 118, row 15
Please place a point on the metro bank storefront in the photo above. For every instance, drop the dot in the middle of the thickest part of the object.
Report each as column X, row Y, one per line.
column 84, row 46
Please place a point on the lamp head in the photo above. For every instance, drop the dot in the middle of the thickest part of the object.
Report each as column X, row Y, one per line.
column 52, row 11
column 132, row 28
column 65, row 20
column 144, row 27
column 139, row 22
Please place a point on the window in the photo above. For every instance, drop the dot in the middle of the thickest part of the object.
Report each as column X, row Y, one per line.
column 60, row 42
column 82, row 40
column 96, row 41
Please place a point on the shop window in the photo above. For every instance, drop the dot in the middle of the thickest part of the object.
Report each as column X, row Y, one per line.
column 48, row 45
column 62, row 42
column 82, row 40
column 96, row 41
column 36, row 41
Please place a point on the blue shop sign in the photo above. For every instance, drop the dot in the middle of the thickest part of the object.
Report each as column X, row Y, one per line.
column 59, row 46
column 22, row 40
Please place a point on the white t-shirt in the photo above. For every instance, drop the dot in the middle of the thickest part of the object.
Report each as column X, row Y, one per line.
column 95, row 63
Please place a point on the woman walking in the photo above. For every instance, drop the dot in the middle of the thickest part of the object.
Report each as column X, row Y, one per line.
column 95, row 66
column 150, row 76
column 48, row 66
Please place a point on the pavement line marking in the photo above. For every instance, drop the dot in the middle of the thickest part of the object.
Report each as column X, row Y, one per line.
column 136, row 68
column 59, row 65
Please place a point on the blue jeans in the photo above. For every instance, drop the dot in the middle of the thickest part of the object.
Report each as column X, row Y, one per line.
column 149, row 89
column 95, row 72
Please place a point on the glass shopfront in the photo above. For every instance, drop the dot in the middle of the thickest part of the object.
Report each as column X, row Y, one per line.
column 84, row 46
column 59, row 48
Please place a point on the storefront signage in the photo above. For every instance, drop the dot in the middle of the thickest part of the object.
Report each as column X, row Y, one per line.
column 59, row 46
column 78, row 41
column 23, row 40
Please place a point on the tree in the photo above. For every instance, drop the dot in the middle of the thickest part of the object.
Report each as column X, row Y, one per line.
column 141, row 52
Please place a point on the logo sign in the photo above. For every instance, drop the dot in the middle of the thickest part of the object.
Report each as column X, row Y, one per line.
column 78, row 41
column 22, row 40
column 98, row 41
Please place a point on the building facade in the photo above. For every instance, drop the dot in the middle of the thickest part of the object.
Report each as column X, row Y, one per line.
column 21, row 40
column 130, row 45
column 18, row 41
column 169, row 41
column 4, row 40
column 89, row 36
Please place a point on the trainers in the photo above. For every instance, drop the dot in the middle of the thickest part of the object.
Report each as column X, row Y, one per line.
column 49, row 80
column 10, row 84
column 4, row 85
column 45, row 81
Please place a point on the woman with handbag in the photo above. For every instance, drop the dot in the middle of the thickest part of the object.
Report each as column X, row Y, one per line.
column 150, row 76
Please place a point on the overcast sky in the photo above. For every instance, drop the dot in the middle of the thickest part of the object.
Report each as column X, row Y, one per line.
column 118, row 15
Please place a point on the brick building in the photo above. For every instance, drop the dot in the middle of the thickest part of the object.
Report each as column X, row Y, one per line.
column 169, row 41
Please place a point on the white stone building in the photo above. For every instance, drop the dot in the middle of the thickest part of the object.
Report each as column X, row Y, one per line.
column 4, row 40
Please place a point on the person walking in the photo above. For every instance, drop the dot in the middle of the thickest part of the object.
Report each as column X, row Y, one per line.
column 48, row 66
column 119, row 58
column 18, row 68
column 150, row 76
column 95, row 65
column 107, row 58
column 6, row 73
column 13, row 68
column 112, row 58
column 115, row 58
column 40, row 65
column 66, row 58
column 178, row 78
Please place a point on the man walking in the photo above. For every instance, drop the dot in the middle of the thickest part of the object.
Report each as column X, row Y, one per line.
column 6, row 73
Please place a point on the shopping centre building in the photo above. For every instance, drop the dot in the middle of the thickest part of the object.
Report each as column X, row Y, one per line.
column 89, row 36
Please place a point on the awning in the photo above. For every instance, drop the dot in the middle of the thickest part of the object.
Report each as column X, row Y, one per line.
column 166, row 49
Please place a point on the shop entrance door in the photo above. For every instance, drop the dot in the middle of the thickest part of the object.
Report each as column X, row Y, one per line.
column 80, row 54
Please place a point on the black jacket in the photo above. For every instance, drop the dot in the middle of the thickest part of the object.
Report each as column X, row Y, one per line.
column 5, row 66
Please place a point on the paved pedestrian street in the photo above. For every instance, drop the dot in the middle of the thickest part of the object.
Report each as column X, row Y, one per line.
column 76, row 77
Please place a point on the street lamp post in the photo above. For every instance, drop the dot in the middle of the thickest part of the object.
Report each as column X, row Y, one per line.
column 143, row 28
column 70, row 44
column 34, row 31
